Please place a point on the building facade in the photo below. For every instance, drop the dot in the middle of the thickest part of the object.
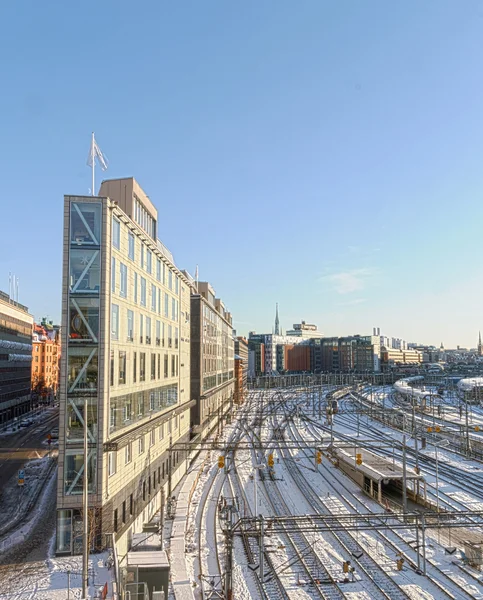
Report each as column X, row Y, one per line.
column 256, row 354
column 392, row 357
column 125, row 364
column 45, row 360
column 15, row 359
column 305, row 330
column 241, row 369
column 212, row 360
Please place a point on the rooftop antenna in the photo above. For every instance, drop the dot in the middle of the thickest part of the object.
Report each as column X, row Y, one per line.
column 95, row 152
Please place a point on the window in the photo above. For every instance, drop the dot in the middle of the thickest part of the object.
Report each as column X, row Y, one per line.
column 116, row 234
column 158, row 333
column 135, row 287
column 114, row 322
column 143, row 291
column 159, row 366
column 176, row 336
column 112, row 417
column 128, row 453
column 158, row 269
column 153, row 297
column 163, row 336
column 161, row 435
column 142, row 366
column 122, row 366
column 142, row 255
column 170, row 336
column 123, row 284
column 144, row 491
column 140, row 405
column 124, row 511
column 176, row 285
column 131, row 505
column 141, row 328
column 173, row 309
column 130, row 325
column 166, row 366
column 149, row 261
column 134, row 367
column 166, row 305
column 131, row 245
column 173, row 366
column 112, row 368
column 148, row 330
column 170, row 279
column 153, row 368
column 141, row 444
column 115, row 520
column 112, row 463
column 127, row 411
column 113, row 275
column 149, row 485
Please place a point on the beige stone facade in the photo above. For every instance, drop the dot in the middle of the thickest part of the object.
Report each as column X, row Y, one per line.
column 126, row 334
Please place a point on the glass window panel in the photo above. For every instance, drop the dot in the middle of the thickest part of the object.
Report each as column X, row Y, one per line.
column 83, row 319
column 149, row 261
column 135, row 287
column 158, row 269
column 84, row 270
column 143, row 291
column 148, row 330
column 85, row 223
column 123, row 284
column 116, row 233
column 64, row 530
column 131, row 245
column 82, row 369
column 153, row 297
column 114, row 322
column 130, row 325
column 74, row 420
column 74, row 471
column 122, row 366
column 113, row 275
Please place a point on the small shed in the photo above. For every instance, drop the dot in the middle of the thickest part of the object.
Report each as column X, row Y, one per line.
column 149, row 567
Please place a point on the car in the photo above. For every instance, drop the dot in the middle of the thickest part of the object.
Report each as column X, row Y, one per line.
column 54, row 434
column 26, row 423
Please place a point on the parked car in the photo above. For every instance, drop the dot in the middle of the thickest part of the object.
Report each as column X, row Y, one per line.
column 54, row 434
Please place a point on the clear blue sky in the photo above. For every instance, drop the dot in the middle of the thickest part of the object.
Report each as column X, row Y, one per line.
column 324, row 154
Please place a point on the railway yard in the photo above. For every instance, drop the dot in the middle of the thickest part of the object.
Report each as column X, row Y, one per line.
column 354, row 492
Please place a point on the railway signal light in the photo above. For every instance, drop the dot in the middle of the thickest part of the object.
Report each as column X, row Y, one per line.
column 345, row 566
column 318, row 457
column 477, row 428
column 359, row 458
column 270, row 460
column 221, row 462
column 429, row 429
column 437, row 428
column 399, row 563
column 417, row 470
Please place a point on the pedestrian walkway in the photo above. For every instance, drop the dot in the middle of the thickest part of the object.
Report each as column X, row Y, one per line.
column 182, row 586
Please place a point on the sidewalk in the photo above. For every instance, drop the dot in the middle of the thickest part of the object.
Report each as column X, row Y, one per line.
column 182, row 586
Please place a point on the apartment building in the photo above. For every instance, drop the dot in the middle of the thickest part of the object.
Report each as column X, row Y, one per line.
column 45, row 360
column 126, row 364
column 15, row 358
column 212, row 360
column 241, row 369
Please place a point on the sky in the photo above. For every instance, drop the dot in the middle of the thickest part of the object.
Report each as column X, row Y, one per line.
column 326, row 155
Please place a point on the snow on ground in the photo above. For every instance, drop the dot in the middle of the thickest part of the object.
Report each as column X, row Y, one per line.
column 49, row 579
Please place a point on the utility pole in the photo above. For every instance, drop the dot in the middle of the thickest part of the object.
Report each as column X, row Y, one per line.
column 405, row 497
column 85, row 508
column 262, row 534
column 170, row 463
column 467, row 428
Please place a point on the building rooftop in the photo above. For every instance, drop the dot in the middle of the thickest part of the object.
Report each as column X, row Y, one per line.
column 6, row 298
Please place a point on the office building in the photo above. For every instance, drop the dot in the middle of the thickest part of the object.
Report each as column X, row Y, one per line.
column 15, row 358
column 256, row 354
column 212, row 360
column 125, row 362
column 305, row 330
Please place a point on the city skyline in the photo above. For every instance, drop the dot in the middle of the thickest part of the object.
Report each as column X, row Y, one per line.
column 342, row 148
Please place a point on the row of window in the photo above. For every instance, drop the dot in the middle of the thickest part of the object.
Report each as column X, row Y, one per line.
column 164, row 335
column 166, row 305
column 163, row 273
column 140, row 371
column 155, row 479
column 167, row 428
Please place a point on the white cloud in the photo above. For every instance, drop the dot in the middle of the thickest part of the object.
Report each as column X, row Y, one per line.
column 347, row 282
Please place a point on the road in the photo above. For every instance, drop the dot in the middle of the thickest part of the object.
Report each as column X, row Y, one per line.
column 26, row 444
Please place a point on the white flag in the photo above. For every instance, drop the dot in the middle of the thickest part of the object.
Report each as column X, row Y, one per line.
column 94, row 152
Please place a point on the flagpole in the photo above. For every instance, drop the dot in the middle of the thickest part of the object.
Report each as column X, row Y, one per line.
column 93, row 163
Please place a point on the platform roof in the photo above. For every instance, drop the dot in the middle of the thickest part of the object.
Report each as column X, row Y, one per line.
column 377, row 468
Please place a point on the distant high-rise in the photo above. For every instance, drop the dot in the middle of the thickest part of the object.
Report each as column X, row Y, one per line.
column 277, row 322
column 480, row 346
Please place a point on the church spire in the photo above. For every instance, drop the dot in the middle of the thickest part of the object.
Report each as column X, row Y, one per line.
column 277, row 322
